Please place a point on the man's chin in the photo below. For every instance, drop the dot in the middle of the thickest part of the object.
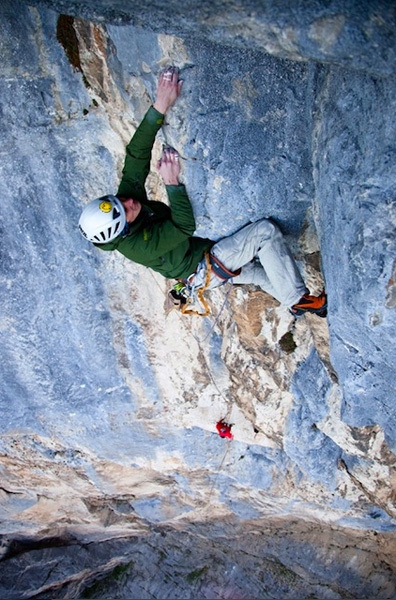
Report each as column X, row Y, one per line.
column 134, row 211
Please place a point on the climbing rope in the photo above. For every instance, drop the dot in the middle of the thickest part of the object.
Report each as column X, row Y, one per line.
column 219, row 313
column 212, row 487
column 199, row 342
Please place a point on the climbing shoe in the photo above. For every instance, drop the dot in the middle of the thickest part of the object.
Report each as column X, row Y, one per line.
column 312, row 304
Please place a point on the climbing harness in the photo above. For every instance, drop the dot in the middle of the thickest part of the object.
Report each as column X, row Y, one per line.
column 221, row 270
column 184, row 293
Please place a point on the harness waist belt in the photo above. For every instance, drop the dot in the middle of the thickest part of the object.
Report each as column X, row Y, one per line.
column 220, row 270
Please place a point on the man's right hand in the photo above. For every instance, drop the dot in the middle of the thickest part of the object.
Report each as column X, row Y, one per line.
column 169, row 88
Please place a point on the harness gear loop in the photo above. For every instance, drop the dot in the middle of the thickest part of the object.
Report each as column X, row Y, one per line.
column 190, row 311
column 213, row 265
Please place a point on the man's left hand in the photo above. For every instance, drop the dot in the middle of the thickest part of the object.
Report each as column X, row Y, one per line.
column 169, row 166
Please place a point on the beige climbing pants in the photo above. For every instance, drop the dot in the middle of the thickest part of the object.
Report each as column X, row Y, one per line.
column 260, row 249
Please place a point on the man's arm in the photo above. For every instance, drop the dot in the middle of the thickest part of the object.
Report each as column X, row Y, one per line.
column 181, row 210
column 138, row 155
column 167, row 234
column 138, row 152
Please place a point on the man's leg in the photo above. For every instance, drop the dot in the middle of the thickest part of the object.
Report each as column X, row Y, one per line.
column 278, row 273
column 253, row 273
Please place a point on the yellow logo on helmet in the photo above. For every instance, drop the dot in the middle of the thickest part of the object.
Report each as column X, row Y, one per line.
column 105, row 206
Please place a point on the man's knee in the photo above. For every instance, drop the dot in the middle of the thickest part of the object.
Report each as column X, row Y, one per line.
column 267, row 229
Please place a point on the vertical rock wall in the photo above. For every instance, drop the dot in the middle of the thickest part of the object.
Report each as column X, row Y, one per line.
column 110, row 398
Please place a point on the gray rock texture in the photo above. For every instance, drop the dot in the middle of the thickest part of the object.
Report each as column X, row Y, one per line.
column 114, row 482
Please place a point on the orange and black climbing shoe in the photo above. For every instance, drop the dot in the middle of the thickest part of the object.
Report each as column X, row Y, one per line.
column 312, row 304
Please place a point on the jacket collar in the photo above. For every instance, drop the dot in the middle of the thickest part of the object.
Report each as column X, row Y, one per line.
column 139, row 222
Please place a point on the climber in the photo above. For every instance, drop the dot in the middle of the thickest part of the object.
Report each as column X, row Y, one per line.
column 224, row 430
column 161, row 237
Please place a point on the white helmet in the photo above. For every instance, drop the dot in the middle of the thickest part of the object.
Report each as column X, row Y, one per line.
column 102, row 220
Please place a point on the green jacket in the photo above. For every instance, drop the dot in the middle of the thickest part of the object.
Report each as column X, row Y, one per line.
column 161, row 237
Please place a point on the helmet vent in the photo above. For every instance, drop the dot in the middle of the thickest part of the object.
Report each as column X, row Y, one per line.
column 82, row 231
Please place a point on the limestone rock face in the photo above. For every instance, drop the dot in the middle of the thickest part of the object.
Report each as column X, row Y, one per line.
column 114, row 481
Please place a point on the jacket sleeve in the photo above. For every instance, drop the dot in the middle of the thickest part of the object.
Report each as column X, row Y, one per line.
column 181, row 210
column 138, row 153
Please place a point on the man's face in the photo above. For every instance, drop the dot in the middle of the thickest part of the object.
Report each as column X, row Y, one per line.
column 132, row 208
